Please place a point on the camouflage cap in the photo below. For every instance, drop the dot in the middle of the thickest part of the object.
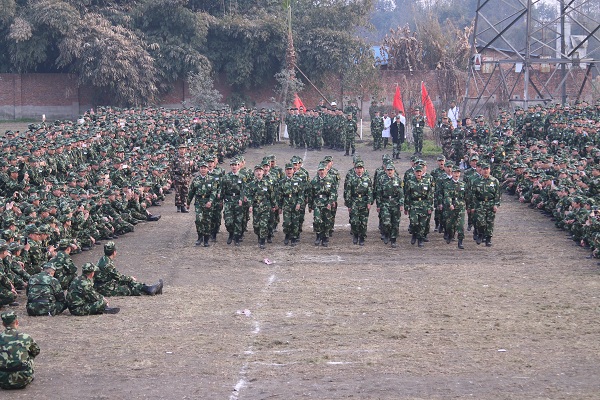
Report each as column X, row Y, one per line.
column 289, row 166
column 456, row 168
column 15, row 246
column 328, row 158
column 49, row 265
column 64, row 243
column 8, row 317
column 3, row 245
column 258, row 166
column 88, row 267
column 359, row 163
column 109, row 246
column 418, row 167
column 322, row 166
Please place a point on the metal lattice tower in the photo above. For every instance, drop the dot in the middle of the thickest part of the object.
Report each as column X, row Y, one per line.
column 520, row 57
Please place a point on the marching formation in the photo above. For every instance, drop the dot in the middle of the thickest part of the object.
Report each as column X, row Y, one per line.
column 269, row 194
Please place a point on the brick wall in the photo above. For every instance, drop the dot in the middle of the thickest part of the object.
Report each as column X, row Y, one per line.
column 59, row 96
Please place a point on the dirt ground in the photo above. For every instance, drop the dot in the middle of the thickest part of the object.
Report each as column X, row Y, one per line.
column 519, row 320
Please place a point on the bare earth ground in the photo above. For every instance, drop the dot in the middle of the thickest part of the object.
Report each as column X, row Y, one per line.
column 519, row 320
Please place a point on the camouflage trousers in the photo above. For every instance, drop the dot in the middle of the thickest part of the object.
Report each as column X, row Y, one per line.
column 396, row 146
column 321, row 223
column 419, row 221
column 233, row 214
column 484, row 219
column 215, row 217
column 377, row 141
column 260, row 220
column 39, row 309
column 18, row 379
column 455, row 222
column 439, row 217
column 6, row 297
column 132, row 288
column 291, row 221
column 203, row 219
column 349, row 143
column 418, row 137
column 389, row 216
column 359, row 216
column 181, row 188
column 88, row 309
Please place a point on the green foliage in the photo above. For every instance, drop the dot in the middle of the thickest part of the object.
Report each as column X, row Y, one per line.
column 204, row 95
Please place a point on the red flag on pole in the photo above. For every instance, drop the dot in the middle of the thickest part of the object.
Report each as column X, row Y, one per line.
column 397, row 104
column 428, row 106
column 297, row 102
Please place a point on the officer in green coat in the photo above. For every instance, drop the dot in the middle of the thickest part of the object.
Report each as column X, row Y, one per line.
column 17, row 351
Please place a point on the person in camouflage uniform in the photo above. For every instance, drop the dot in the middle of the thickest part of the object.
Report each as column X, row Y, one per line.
column 44, row 294
column 350, row 128
column 34, row 255
column 110, row 282
column 376, row 129
column 232, row 192
column 358, row 197
column 15, row 266
column 389, row 198
column 17, row 352
column 485, row 199
column 322, row 196
column 83, row 299
column 261, row 197
column 8, row 293
column 65, row 269
column 291, row 201
column 418, row 200
column 204, row 190
column 445, row 133
column 418, row 124
column 454, row 207
column 181, row 170
column 216, row 173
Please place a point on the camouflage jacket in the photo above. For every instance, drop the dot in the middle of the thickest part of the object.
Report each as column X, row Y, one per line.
column 389, row 191
column 18, row 350
column 43, row 288
column 107, row 274
column 419, row 193
column 65, row 269
column 204, row 189
column 81, row 292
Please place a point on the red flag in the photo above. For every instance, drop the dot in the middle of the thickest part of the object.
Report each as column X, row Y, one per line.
column 428, row 106
column 397, row 104
column 297, row 102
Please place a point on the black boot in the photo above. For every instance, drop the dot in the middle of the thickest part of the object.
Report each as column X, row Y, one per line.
column 199, row 241
column 420, row 244
column 230, row 238
column 293, row 242
column 236, row 240
column 270, row 239
column 355, row 239
column 111, row 310
column 386, row 239
column 286, row 241
column 318, row 240
column 151, row 217
column 325, row 241
column 460, row 244
column 184, row 209
column 479, row 238
column 488, row 241
column 413, row 240
column 361, row 241
column 394, row 245
column 152, row 290
column 213, row 237
column 206, row 237
column 178, row 208
column 261, row 243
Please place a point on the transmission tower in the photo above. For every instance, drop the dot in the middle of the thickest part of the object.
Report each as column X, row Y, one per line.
column 521, row 58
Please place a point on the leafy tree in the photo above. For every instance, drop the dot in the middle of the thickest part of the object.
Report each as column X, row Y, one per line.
column 204, row 95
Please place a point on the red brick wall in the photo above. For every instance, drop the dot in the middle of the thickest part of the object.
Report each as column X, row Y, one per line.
column 59, row 96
